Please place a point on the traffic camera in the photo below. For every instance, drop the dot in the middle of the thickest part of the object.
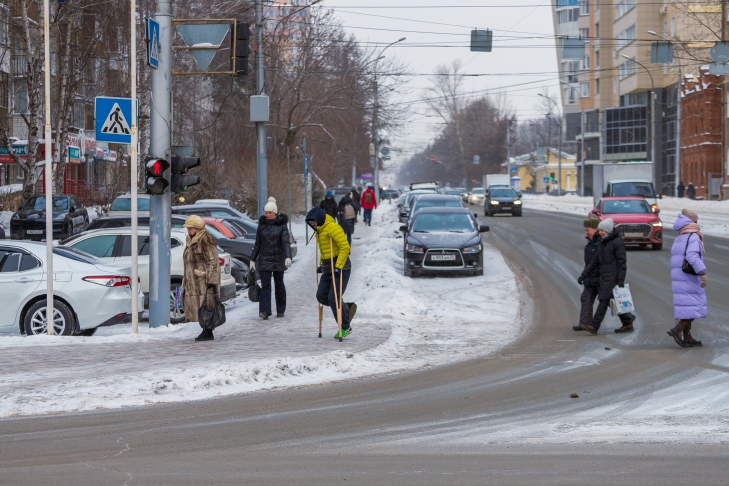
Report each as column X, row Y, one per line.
column 181, row 181
column 241, row 49
column 155, row 181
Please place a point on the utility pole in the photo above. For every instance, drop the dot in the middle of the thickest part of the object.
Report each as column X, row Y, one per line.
column 261, row 159
column 508, row 150
column 160, row 211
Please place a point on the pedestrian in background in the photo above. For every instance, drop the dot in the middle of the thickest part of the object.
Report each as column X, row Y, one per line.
column 691, row 191
column 201, row 281
column 689, row 294
column 680, row 189
column 272, row 257
column 329, row 205
column 612, row 262
column 345, row 216
column 368, row 202
column 333, row 246
column 591, row 281
column 356, row 198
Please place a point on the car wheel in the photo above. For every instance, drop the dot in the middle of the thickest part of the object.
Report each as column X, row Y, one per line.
column 177, row 312
column 35, row 319
column 657, row 246
column 87, row 332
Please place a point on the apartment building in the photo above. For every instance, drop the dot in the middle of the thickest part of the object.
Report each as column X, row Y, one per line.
column 289, row 19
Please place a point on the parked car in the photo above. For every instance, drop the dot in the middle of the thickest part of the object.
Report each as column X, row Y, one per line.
column 88, row 293
column 636, row 221
column 114, row 245
column 122, row 205
column 214, row 210
column 502, row 200
column 29, row 222
column 453, row 191
column 433, row 200
column 477, row 196
column 405, row 208
column 388, row 194
column 443, row 239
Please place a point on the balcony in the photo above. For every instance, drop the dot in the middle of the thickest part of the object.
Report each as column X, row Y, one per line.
column 18, row 66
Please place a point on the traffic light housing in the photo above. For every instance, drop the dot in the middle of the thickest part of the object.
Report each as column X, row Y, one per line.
column 180, row 165
column 241, row 49
column 551, row 176
column 155, row 179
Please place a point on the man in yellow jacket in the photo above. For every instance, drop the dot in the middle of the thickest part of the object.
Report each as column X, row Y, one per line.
column 333, row 244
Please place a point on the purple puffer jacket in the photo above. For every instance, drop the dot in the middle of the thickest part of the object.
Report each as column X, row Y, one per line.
column 689, row 299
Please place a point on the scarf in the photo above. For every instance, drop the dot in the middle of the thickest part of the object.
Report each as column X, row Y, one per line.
column 195, row 239
column 693, row 228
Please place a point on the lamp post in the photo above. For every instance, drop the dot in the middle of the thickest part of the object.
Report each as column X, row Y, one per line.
column 375, row 121
column 559, row 148
column 582, row 141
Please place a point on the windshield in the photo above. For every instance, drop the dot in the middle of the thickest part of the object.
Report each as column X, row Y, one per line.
column 478, row 190
column 77, row 255
column 38, row 203
column 628, row 206
column 443, row 222
column 503, row 193
column 419, row 204
column 642, row 189
column 125, row 204
column 411, row 195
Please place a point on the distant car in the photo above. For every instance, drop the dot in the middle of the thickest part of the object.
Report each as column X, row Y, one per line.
column 404, row 210
column 29, row 222
column 122, row 205
column 450, row 191
column 434, row 200
column 477, row 196
column 502, row 200
column 389, row 194
column 443, row 239
column 214, row 210
column 88, row 293
column 428, row 186
column 636, row 221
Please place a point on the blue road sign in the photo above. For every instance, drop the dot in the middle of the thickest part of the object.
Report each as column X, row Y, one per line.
column 306, row 165
column 112, row 118
column 153, row 45
column 545, row 180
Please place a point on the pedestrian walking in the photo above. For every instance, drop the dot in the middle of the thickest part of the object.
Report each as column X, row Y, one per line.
column 368, row 203
column 345, row 216
column 688, row 278
column 691, row 191
column 680, row 189
column 335, row 267
column 201, row 281
column 612, row 262
column 329, row 205
column 591, row 281
column 272, row 257
column 356, row 199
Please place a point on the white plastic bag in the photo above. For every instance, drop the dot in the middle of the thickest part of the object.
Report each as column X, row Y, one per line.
column 623, row 299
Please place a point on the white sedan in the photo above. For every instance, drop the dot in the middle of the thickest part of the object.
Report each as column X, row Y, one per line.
column 87, row 293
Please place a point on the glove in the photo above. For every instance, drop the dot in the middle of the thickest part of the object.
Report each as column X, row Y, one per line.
column 337, row 271
column 621, row 284
column 319, row 269
column 703, row 281
column 287, row 263
column 581, row 280
column 198, row 273
column 252, row 266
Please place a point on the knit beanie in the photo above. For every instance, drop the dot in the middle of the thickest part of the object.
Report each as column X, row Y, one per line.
column 271, row 205
column 606, row 225
column 690, row 215
column 591, row 223
column 329, row 194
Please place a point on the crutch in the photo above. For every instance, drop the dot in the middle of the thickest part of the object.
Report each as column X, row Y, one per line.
column 316, row 276
column 337, row 301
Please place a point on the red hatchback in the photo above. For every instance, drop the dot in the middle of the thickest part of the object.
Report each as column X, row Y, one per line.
column 634, row 219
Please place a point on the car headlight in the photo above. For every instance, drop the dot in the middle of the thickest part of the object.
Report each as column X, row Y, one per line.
column 657, row 224
column 495, row 203
column 472, row 249
column 517, row 202
column 414, row 249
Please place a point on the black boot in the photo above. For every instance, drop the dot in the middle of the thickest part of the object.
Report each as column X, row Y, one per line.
column 688, row 339
column 205, row 335
column 677, row 333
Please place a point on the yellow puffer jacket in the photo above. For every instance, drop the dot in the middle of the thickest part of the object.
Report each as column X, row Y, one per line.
column 340, row 245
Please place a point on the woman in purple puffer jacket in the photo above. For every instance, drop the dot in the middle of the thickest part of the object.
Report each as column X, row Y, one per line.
column 689, row 296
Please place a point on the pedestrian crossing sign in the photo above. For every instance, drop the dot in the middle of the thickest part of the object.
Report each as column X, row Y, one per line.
column 113, row 119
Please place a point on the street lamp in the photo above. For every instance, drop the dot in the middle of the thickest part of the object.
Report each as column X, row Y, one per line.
column 582, row 144
column 375, row 138
column 652, row 125
column 559, row 147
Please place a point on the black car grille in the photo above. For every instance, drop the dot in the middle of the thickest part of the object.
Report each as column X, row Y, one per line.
column 643, row 229
column 440, row 260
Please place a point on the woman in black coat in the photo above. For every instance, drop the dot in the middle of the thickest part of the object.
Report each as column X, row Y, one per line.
column 272, row 256
column 613, row 263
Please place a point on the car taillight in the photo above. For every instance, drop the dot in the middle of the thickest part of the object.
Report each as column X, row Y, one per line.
column 109, row 280
column 222, row 261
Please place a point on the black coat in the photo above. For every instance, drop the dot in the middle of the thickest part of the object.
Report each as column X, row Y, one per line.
column 612, row 262
column 346, row 224
column 591, row 248
column 272, row 246
column 329, row 206
column 680, row 189
column 356, row 198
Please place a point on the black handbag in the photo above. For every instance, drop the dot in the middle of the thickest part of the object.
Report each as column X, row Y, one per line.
column 254, row 290
column 211, row 318
column 686, row 267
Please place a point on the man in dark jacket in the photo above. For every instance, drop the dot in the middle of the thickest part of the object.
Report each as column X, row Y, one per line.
column 612, row 261
column 680, row 188
column 329, row 205
column 356, row 198
column 272, row 256
column 592, row 280
column 691, row 191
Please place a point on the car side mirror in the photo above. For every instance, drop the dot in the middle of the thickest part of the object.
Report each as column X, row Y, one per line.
column 518, row 194
column 595, row 212
column 403, row 228
column 483, row 228
column 73, row 209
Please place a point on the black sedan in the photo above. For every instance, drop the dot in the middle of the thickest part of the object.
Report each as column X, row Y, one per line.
column 502, row 200
column 69, row 217
column 443, row 239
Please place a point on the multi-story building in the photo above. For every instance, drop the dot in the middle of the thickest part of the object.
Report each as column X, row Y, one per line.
column 288, row 20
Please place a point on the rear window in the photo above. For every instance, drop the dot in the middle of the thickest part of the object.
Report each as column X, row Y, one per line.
column 76, row 255
column 125, row 204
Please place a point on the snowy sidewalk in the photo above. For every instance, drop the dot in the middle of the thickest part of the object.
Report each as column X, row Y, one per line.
column 401, row 324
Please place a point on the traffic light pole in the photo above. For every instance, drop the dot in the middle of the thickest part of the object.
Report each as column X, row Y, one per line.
column 261, row 159
column 160, row 212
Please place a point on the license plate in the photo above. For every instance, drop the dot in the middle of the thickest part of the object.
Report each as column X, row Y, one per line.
column 441, row 258
column 35, row 232
column 634, row 235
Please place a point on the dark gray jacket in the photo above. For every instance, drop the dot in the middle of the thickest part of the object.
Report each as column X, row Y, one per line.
column 272, row 246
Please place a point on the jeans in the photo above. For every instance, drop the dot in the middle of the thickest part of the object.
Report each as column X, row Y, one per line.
column 602, row 307
column 587, row 302
column 367, row 215
column 264, row 303
column 349, row 239
column 325, row 294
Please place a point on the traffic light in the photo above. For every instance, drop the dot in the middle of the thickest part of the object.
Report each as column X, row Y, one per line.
column 432, row 159
column 180, row 181
column 551, row 176
column 155, row 181
column 241, row 50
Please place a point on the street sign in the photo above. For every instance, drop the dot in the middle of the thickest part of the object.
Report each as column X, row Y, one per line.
column 385, row 151
column 719, row 53
column 476, row 159
column 153, row 44
column 372, row 150
column 112, row 117
column 513, row 170
column 306, row 165
column 545, row 180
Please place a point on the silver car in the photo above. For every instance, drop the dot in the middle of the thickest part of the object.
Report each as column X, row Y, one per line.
column 87, row 293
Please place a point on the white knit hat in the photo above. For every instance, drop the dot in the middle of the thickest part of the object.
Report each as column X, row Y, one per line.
column 271, row 205
column 606, row 225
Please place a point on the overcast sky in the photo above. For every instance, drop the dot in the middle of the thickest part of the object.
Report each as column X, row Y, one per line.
column 522, row 62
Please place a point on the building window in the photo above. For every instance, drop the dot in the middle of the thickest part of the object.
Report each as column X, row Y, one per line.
column 585, row 89
column 4, row 90
column 597, row 59
column 622, row 7
column 624, row 38
column 585, row 34
column 569, row 15
column 584, row 8
column 586, row 63
column 626, row 130
column 20, row 96
column 4, row 24
column 567, row 3
column 570, row 94
column 597, row 86
column 626, row 69
column 570, row 69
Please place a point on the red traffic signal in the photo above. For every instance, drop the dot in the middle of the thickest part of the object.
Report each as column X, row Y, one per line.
column 155, row 180
column 432, row 159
